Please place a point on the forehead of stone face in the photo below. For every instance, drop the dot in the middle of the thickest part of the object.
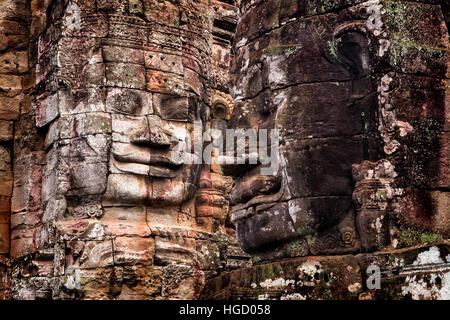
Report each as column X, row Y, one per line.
column 336, row 43
column 298, row 52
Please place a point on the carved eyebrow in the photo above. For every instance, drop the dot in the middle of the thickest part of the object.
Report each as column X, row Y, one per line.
column 350, row 26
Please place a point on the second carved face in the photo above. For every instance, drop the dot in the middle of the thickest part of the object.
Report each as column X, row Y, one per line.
column 312, row 83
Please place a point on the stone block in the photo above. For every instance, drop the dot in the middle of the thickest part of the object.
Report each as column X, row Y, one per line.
column 97, row 254
column 84, row 124
column 123, row 54
column 175, row 251
column 6, row 130
column 10, row 82
column 125, row 75
column 126, row 221
column 88, row 179
column 14, row 62
column 126, row 189
column 10, row 107
column 48, row 110
column 164, row 62
column 164, row 82
column 81, row 101
column 5, row 159
column 251, row 25
column 129, row 102
column 4, row 236
column 132, row 251
column 172, row 107
column 307, row 278
column 27, row 182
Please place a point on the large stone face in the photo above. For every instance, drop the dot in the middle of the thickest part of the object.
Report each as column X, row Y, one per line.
column 344, row 83
column 101, row 207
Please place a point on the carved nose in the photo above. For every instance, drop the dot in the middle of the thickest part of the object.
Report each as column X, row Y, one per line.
column 153, row 136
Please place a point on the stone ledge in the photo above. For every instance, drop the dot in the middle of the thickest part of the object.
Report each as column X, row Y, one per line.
column 421, row 272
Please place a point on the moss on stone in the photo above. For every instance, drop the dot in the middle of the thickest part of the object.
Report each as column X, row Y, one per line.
column 412, row 237
column 275, row 48
column 401, row 19
column 292, row 49
column 256, row 258
column 400, row 49
column 421, row 148
column 332, row 45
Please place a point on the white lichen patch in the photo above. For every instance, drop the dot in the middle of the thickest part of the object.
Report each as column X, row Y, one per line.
column 280, row 282
column 72, row 278
column 277, row 75
column 432, row 256
column 389, row 124
column 369, row 174
column 293, row 210
column 241, row 43
column 374, row 23
column 395, row 243
column 292, row 296
column 310, row 272
column 398, row 262
column 436, row 286
column 384, row 46
column 310, row 268
column 404, row 128
column 279, row 100
column 378, row 224
column 73, row 17
column 385, row 169
column 96, row 232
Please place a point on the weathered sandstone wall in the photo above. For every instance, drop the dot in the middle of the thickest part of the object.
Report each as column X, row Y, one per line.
column 91, row 89
column 359, row 92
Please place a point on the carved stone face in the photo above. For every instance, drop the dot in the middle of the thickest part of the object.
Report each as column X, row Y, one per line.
column 144, row 168
column 119, row 85
column 317, row 79
column 138, row 98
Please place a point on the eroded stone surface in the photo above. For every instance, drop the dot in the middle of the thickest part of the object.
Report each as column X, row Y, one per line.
column 350, row 87
column 414, row 273
column 94, row 94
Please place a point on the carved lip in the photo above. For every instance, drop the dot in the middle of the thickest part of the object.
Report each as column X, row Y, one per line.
column 127, row 153
column 142, row 162
column 151, row 160
column 257, row 203
column 254, row 187
column 258, row 200
column 252, row 191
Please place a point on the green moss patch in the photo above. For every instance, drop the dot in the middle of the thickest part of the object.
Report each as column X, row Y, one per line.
column 412, row 237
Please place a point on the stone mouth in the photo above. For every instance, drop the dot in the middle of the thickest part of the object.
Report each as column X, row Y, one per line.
column 161, row 161
column 253, row 188
column 254, row 205
column 161, row 166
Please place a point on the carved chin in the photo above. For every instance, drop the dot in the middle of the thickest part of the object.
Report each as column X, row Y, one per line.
column 269, row 226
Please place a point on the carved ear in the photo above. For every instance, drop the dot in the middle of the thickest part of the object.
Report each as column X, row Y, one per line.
column 352, row 49
column 222, row 105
